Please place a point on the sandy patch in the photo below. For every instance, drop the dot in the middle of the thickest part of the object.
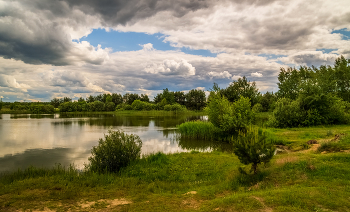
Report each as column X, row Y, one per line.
column 191, row 192
column 113, row 202
column 192, row 203
column 266, row 209
column 287, row 159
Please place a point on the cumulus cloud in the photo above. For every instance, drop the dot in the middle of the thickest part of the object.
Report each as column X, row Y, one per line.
column 224, row 74
column 171, row 67
column 256, row 74
column 71, row 79
column 310, row 58
column 11, row 82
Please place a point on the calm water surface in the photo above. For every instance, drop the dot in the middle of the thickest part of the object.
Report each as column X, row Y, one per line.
column 46, row 140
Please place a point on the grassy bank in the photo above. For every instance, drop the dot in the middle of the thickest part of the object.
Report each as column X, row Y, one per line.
column 299, row 181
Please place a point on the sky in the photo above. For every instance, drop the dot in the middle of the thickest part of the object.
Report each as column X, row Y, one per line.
column 76, row 48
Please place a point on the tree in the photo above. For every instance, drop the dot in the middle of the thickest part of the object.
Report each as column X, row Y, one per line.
column 342, row 77
column 1, row 104
column 195, row 99
column 253, row 148
column 55, row 102
column 129, row 98
column 67, row 99
column 144, row 98
column 90, row 99
column 180, row 97
column 117, row 98
column 267, row 101
column 241, row 87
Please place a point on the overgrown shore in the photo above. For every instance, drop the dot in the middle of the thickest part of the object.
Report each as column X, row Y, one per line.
column 297, row 180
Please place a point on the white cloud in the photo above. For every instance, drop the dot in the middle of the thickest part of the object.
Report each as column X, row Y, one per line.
column 171, row 67
column 11, row 82
column 224, row 74
column 256, row 74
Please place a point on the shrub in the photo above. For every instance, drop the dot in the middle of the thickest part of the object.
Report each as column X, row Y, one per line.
column 110, row 106
column 127, row 107
column 335, row 146
column 253, row 148
column 257, row 108
column 138, row 105
column 115, row 151
column 229, row 117
column 167, row 107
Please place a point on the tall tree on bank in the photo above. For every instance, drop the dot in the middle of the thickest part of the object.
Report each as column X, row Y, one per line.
column 241, row 88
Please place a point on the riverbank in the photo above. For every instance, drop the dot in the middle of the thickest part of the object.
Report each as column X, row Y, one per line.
column 298, row 181
column 122, row 112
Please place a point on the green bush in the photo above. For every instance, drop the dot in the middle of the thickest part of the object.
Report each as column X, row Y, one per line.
column 253, row 148
column 115, row 151
column 257, row 108
column 167, row 107
column 309, row 111
column 138, row 105
column 110, row 106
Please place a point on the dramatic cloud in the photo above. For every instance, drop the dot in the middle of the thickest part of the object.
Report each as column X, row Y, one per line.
column 41, row 45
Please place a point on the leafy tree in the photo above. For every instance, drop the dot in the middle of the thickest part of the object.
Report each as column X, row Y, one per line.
column 67, row 99
column 99, row 98
column 81, row 99
column 267, row 101
column 144, row 98
column 129, row 98
column 90, row 99
column 241, row 87
column 55, row 102
column 180, row 97
column 253, row 148
column 117, row 98
column 110, row 106
column 342, row 77
column 108, row 98
column 229, row 117
column 1, row 104
column 195, row 99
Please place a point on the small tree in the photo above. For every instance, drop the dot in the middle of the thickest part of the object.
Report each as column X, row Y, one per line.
column 251, row 147
column 114, row 152
column 1, row 104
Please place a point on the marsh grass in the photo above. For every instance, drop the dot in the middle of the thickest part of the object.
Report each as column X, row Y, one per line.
column 199, row 130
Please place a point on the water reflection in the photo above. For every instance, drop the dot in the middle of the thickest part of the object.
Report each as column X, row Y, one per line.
column 44, row 140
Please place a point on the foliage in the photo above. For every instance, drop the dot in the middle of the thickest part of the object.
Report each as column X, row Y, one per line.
column 267, row 101
column 115, row 151
column 252, row 147
column 195, row 99
column 241, row 88
column 229, row 117
column 309, row 111
column 110, row 106
column 257, row 108
column 175, row 107
column 0, row 104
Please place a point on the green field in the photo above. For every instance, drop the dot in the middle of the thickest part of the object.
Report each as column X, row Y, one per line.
column 301, row 179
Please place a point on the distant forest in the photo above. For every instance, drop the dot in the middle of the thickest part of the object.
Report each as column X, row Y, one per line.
column 310, row 88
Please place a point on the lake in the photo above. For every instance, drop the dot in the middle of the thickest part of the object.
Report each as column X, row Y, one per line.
column 46, row 140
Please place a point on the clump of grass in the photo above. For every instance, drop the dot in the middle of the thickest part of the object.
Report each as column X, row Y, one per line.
column 335, row 146
column 199, row 129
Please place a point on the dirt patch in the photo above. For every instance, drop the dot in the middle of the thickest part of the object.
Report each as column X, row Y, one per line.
column 191, row 203
column 266, row 209
column 113, row 202
column 45, row 210
column 191, row 192
column 287, row 159
column 313, row 148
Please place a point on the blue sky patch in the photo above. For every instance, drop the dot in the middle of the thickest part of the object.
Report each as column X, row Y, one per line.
column 345, row 34
column 133, row 41
column 326, row 50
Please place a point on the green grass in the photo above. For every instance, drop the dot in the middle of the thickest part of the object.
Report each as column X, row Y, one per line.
column 335, row 146
column 199, row 130
column 160, row 112
column 296, row 138
column 159, row 182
